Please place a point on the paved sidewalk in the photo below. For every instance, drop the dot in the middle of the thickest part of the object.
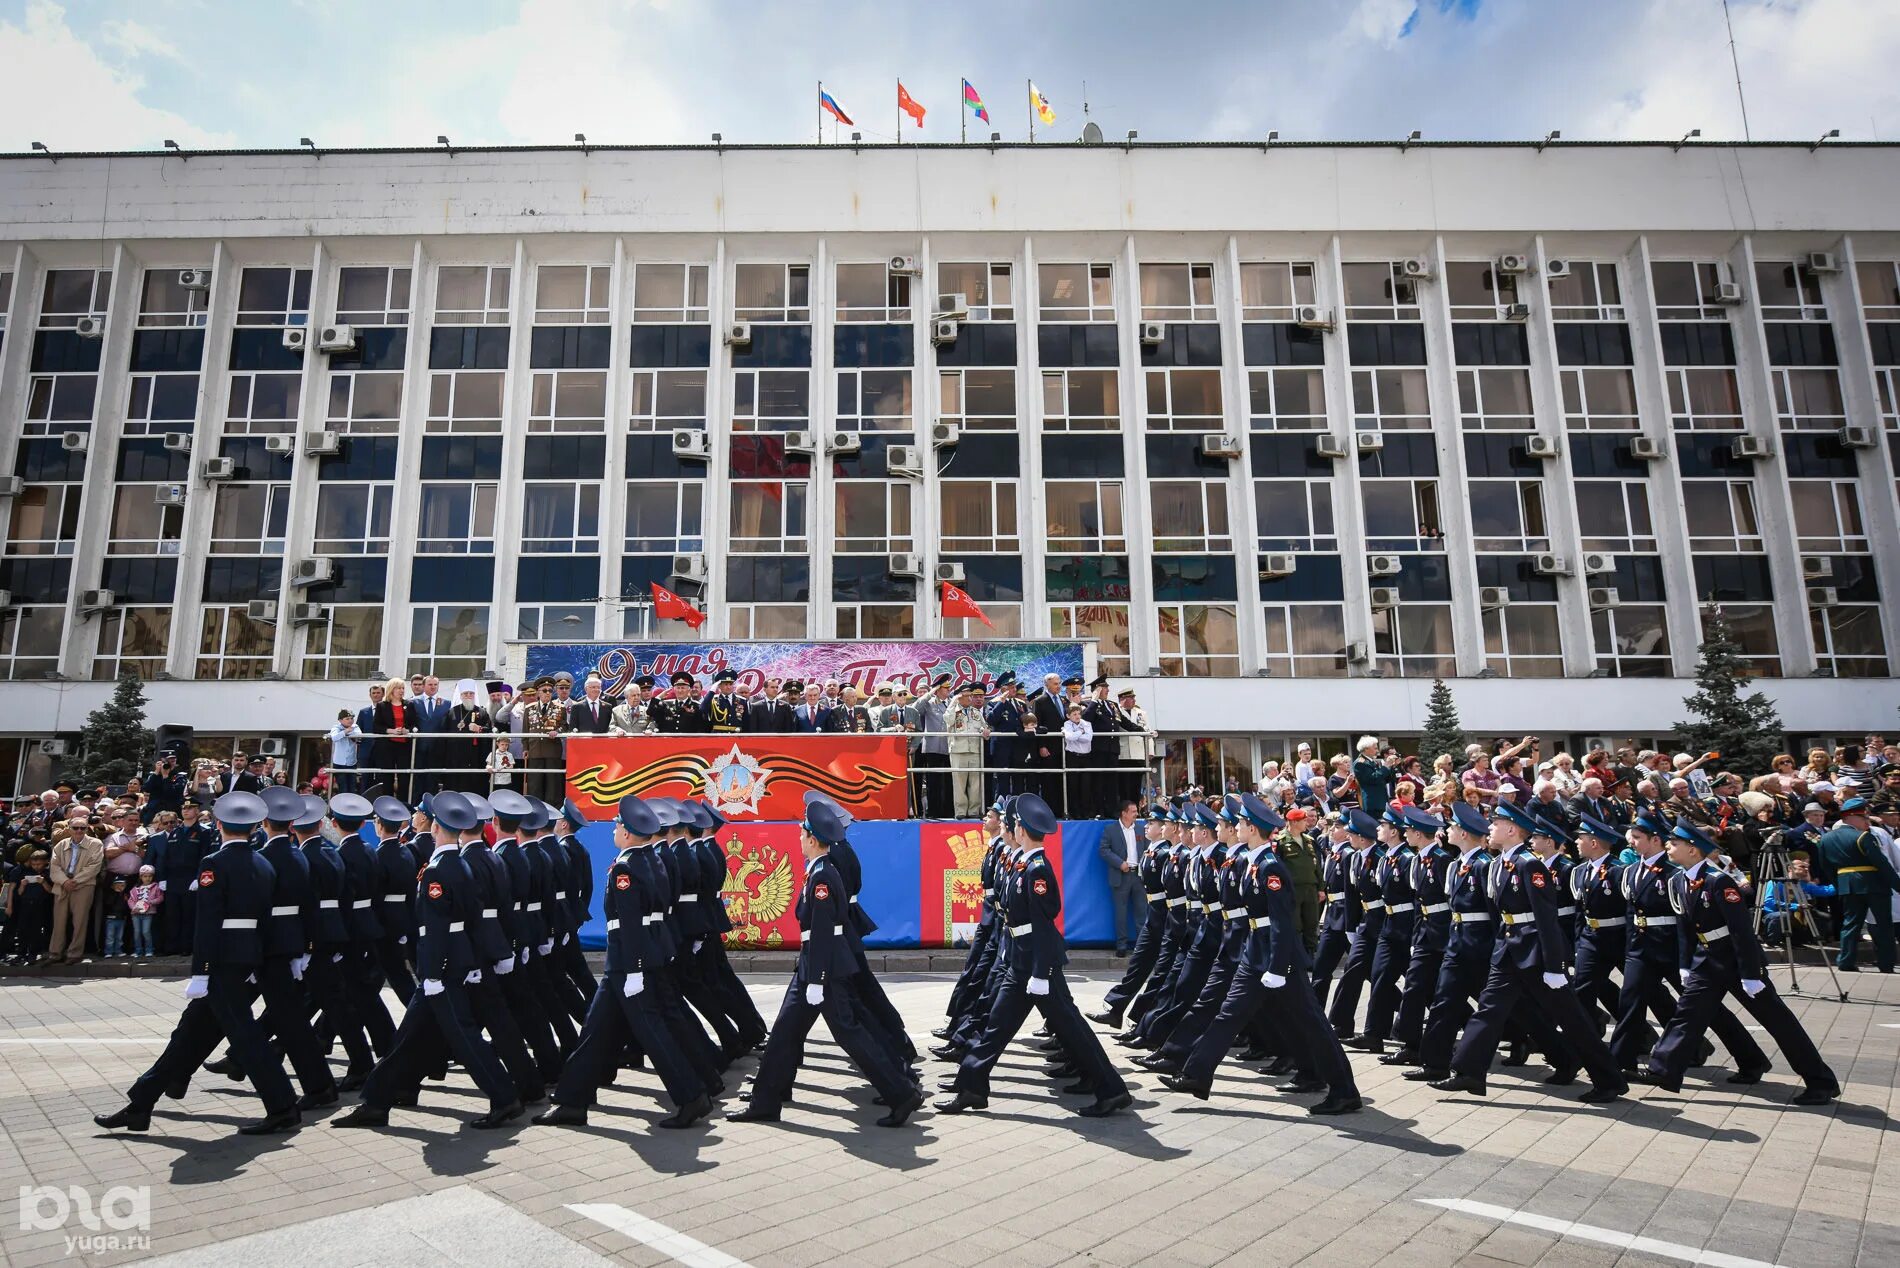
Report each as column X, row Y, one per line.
column 1248, row 1178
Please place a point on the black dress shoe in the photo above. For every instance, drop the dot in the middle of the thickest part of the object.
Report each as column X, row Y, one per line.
column 562, row 1116
column 1603, row 1093
column 1126, row 1038
column 1703, row 1051
column 1112, row 1020
column 407, row 1100
column 947, row 1052
column 941, row 1032
column 272, row 1124
column 496, row 1118
column 905, row 1107
column 1816, row 1095
column 1081, row 1087
column 131, row 1118
column 1459, row 1083
column 688, row 1114
column 1337, row 1104
column 1279, row 1066
column 1042, row 1032
column 1159, row 1062
column 1562, row 1076
column 1365, row 1043
column 755, row 1112
column 352, row 1081
column 1254, row 1052
column 1181, row 1083
column 176, row 1091
column 1652, row 1079
column 362, row 1115
column 1047, row 1045
column 963, row 1101
column 1067, row 1070
column 1303, row 1083
column 317, row 1100
column 228, row 1066
column 1404, row 1056
column 1750, row 1073
column 1515, row 1055
column 1425, row 1074
column 1106, row 1106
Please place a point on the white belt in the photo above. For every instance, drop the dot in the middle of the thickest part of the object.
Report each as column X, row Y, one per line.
column 650, row 918
column 534, row 906
column 1432, row 909
column 1259, row 922
column 1566, row 911
column 1339, row 897
column 1234, row 913
column 491, row 913
column 1021, row 931
column 1375, row 904
column 1653, row 922
column 612, row 925
column 685, row 898
column 395, row 898
column 1713, row 935
column 1153, row 898
column 360, row 903
column 1511, row 918
column 1210, row 908
column 1403, row 907
column 854, row 898
column 1177, row 902
column 1608, row 922
column 837, row 931
column 455, row 926
column 990, row 893
column 291, row 910
column 326, row 903
column 1469, row 917
column 560, row 895
column 240, row 924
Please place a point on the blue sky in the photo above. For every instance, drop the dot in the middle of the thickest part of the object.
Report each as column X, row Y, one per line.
column 85, row 74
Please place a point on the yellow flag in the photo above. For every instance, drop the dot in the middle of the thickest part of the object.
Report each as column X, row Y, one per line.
column 1040, row 104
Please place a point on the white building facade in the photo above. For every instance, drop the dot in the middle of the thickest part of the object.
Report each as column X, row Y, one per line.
column 1288, row 430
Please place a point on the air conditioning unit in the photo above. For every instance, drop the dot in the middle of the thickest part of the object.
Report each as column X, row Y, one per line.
column 6, row 599
column 1597, row 564
column 1491, row 597
column 1539, row 446
column 1272, row 566
column 1556, row 268
column 739, row 335
column 1647, row 448
column 845, row 442
column 74, row 441
column 312, row 572
column 90, row 327
column 1514, row 263
column 953, row 307
column 903, row 460
column 53, row 748
column 905, row 265
column 1382, row 565
column 1857, row 436
column 1326, row 445
column 195, row 279
column 1415, row 269
column 1603, row 598
column 280, row 445
column 322, row 444
column 692, row 567
column 169, row 495
column 269, row 748
column 212, row 469
column 904, row 565
column 1823, row 596
column 96, row 601
column 10, row 486
column 1358, row 654
column 1752, row 447
column 1822, row 262
column 296, row 338
column 1313, row 317
column 1727, row 294
column 1384, row 597
column 337, row 338
column 1220, row 446
column 264, row 610
column 943, row 435
column 953, row 573
column 1515, row 312
column 943, row 332
column 1549, row 565
column 1369, row 441
column 310, row 614
column 1154, row 333
column 1816, row 567
column 692, row 443
column 801, row 442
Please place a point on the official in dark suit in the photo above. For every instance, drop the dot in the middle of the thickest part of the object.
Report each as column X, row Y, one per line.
column 776, row 716
column 593, row 713
column 810, row 711
column 1123, row 847
column 849, row 717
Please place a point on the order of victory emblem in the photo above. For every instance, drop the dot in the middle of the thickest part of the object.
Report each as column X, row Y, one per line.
column 736, row 782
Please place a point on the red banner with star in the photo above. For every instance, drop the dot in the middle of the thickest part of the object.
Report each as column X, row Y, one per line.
column 950, row 880
column 748, row 777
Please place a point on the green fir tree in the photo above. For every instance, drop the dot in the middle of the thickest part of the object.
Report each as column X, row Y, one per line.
column 115, row 742
column 1744, row 729
column 1443, row 732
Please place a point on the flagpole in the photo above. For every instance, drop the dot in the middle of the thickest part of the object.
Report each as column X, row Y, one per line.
column 900, row 113
column 963, row 116
column 1030, row 88
column 821, row 112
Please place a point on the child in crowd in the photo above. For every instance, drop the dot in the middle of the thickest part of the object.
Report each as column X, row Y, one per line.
column 117, row 892
column 30, row 908
column 500, row 763
column 143, row 903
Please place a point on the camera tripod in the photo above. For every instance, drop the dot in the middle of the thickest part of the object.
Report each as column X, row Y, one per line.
column 1772, row 867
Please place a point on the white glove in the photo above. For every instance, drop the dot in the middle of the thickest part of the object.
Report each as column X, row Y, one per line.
column 337, row 958
column 431, row 986
column 1038, row 986
column 1272, row 981
column 566, row 938
column 297, row 966
column 198, row 987
column 525, row 953
column 698, row 945
column 1753, row 986
column 506, row 965
column 403, row 941
column 251, row 978
column 814, row 995
column 161, row 887
column 547, row 948
column 1556, row 981
column 194, row 886
column 635, row 983
column 474, row 978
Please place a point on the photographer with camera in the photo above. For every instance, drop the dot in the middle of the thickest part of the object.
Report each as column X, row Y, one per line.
column 163, row 786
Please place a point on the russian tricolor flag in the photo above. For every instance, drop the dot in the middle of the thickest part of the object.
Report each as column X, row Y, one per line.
column 826, row 102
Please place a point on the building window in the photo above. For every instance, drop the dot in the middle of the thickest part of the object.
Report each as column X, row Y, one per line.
column 568, row 401
column 979, row 400
column 232, row 646
column 1294, row 515
column 555, row 622
column 450, row 641
column 1879, row 289
column 1887, row 385
column 1077, row 292
column 1391, row 399
column 1590, row 293
column 250, row 519
column 1413, row 640
column 771, row 400
column 132, row 640
column 159, row 403
column 874, row 400
column 1685, row 291
column 1081, row 400
column 140, row 526
column 1613, row 515
column 876, row 620
column 666, row 399
column 767, row 620
column 372, row 296
column 6, row 298
column 872, row 517
column 274, row 297
column 664, row 516
column 352, row 519
column 1521, row 641
column 1478, row 292
column 560, row 519
column 456, row 519
column 30, row 641
column 1848, row 641
column 1184, row 400
column 1508, row 515
column 1177, row 292
column 1786, row 291
column 1827, row 516
column 1632, row 641
column 1599, row 398
column 772, row 292
column 986, row 290
column 1753, row 627
column 1198, row 640
column 872, row 292
column 1287, row 399
column 1274, row 290
column 165, row 302
column 472, row 295
column 1704, row 399
column 1402, row 514
column 1106, row 623
column 1085, row 516
column 670, row 293
column 1006, row 621
column 1497, row 398
column 1721, row 516
column 769, row 517
column 465, row 400
column 365, row 403
column 1379, row 291
column 348, row 646
column 1190, row 517
column 1306, row 640
column 978, row 517
column 572, row 294
column 638, row 622
column 1809, row 399
column 54, row 402
column 70, row 294
column 263, row 403
column 45, row 520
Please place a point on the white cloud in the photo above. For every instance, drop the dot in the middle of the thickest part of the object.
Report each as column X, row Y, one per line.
column 135, row 39
column 1381, row 20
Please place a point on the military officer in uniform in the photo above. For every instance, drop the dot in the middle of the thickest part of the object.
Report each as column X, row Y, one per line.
column 1468, row 944
column 361, row 977
column 1009, row 720
column 676, row 712
column 724, row 711
column 1339, row 912
column 1431, row 873
column 1394, row 951
column 1363, row 879
column 396, row 872
column 1864, row 881
column 1147, row 953
column 329, row 934
column 542, row 724
column 1602, row 919
column 579, row 896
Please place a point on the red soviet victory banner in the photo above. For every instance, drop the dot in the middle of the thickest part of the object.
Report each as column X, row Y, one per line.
column 950, row 880
column 752, row 777
column 764, row 872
